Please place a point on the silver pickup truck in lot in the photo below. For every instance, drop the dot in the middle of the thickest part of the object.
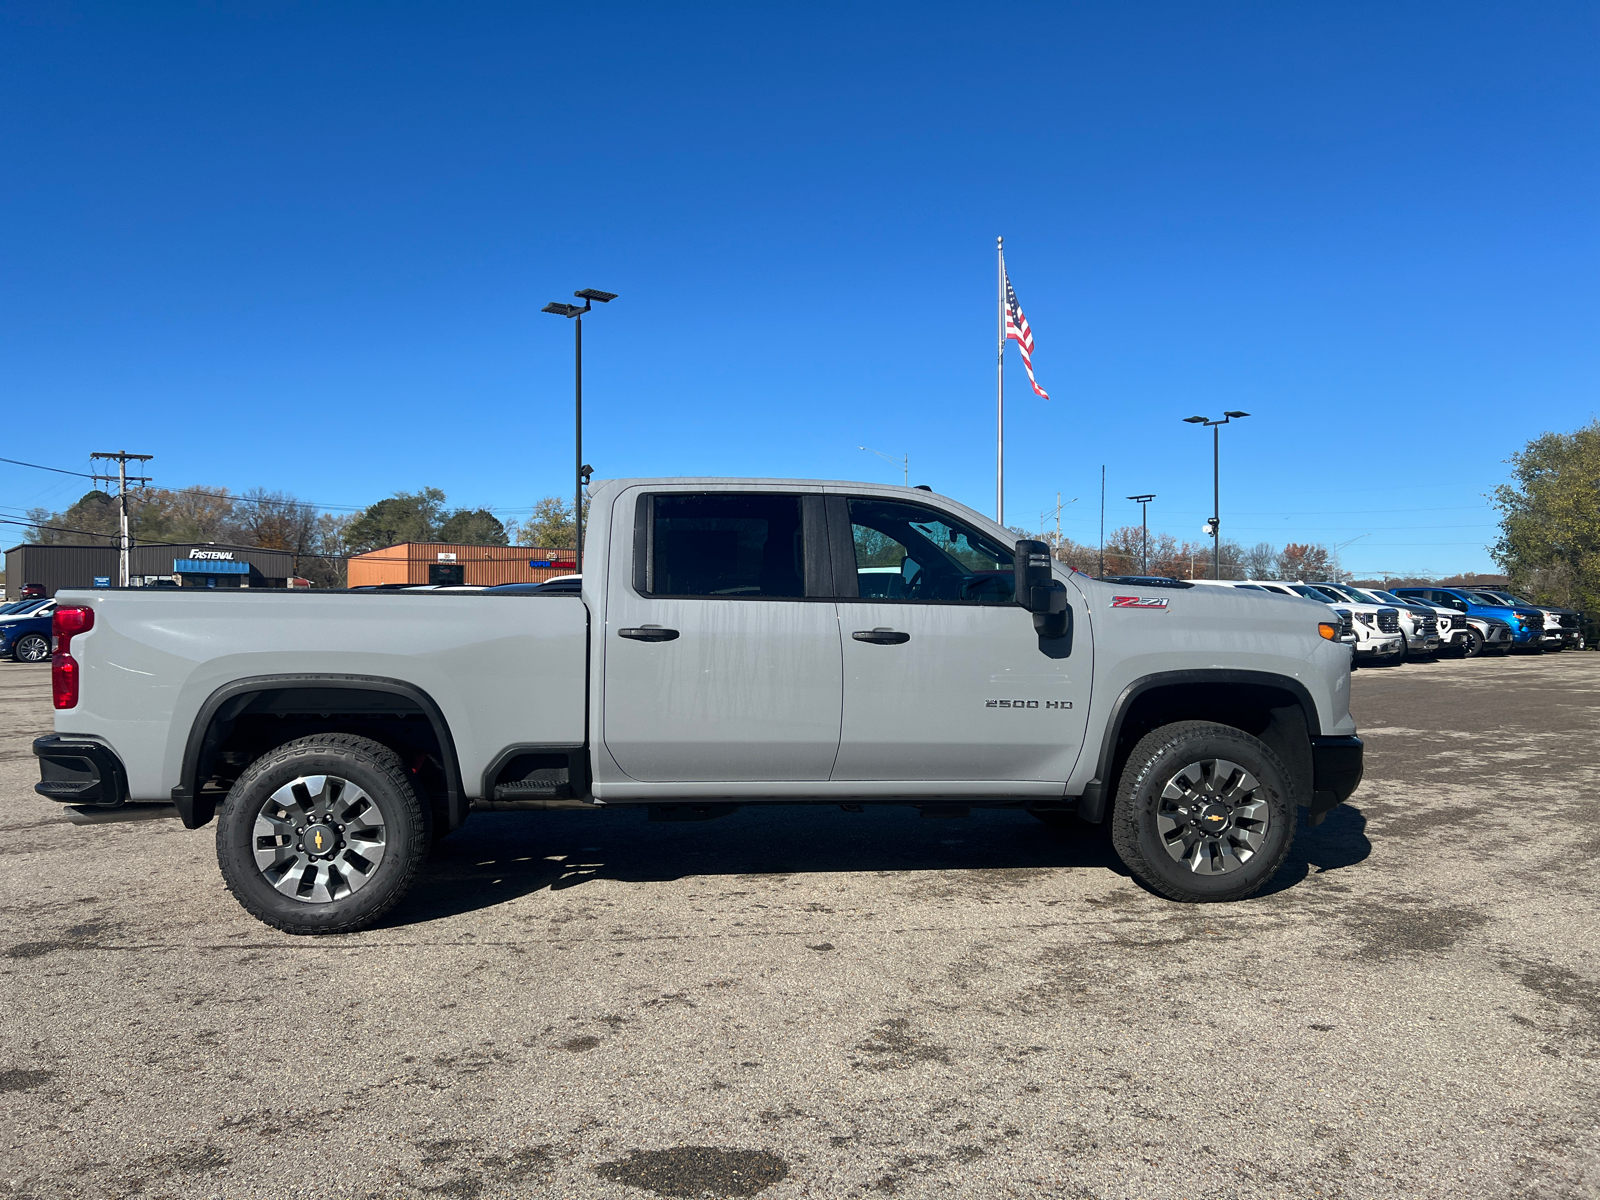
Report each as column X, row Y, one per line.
column 733, row 642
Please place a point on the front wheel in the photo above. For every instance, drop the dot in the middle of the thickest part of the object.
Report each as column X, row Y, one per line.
column 324, row 834
column 31, row 648
column 1472, row 644
column 1203, row 812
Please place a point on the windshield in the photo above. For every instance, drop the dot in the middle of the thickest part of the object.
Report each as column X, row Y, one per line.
column 22, row 607
column 1315, row 593
column 1391, row 598
column 1364, row 597
column 1485, row 598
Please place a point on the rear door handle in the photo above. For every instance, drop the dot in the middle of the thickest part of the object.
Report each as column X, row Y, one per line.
column 649, row 633
column 881, row 636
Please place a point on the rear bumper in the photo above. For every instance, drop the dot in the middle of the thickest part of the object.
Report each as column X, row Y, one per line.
column 75, row 769
column 1336, row 767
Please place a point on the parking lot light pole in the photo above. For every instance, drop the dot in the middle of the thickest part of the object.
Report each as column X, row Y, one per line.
column 1144, row 522
column 1216, row 487
column 573, row 311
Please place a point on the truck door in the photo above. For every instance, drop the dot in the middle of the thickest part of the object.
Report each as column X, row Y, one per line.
column 722, row 659
column 944, row 676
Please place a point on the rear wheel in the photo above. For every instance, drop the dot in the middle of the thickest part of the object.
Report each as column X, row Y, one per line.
column 1203, row 812
column 324, row 834
column 31, row 648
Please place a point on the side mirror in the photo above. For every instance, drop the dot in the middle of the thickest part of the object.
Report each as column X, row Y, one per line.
column 1039, row 591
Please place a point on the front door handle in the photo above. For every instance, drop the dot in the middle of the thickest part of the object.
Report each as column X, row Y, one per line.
column 649, row 633
column 881, row 636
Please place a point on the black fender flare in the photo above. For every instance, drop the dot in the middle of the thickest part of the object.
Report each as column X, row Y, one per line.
column 1093, row 801
column 196, row 812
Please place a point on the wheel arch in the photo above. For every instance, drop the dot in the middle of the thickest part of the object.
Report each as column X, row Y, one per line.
column 1275, row 708
column 336, row 701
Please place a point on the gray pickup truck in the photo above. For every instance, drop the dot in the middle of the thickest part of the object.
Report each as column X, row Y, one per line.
column 734, row 641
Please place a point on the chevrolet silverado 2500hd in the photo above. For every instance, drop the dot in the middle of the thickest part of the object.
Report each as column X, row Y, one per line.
column 731, row 642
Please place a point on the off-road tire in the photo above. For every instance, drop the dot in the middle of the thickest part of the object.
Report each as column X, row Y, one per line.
column 1159, row 755
column 374, row 768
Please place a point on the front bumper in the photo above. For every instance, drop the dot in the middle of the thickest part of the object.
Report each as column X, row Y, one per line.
column 74, row 769
column 1388, row 643
column 1424, row 643
column 1336, row 768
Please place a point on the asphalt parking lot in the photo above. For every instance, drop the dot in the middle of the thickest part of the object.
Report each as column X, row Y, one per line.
column 807, row 1002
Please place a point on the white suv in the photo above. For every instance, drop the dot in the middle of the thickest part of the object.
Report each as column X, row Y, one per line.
column 1418, row 621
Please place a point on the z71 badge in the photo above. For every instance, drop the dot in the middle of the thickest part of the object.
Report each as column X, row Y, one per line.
column 1159, row 602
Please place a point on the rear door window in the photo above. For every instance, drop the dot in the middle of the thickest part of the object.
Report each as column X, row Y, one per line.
column 725, row 545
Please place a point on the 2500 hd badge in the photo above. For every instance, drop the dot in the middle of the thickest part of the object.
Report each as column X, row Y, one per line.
column 1026, row 703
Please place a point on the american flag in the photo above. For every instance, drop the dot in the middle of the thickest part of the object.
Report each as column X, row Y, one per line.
column 1017, row 331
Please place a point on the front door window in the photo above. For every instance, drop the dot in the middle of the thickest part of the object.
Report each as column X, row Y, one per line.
column 908, row 552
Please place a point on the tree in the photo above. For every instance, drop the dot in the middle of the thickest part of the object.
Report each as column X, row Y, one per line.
column 1549, row 541
column 551, row 525
column 1260, row 562
column 477, row 527
column 274, row 521
column 94, row 520
column 403, row 517
column 1300, row 560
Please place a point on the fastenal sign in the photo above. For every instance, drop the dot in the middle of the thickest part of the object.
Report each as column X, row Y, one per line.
column 220, row 555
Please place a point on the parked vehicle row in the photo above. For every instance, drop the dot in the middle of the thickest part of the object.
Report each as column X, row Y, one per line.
column 1421, row 622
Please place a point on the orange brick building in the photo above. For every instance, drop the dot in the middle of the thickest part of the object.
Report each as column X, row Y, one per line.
column 443, row 563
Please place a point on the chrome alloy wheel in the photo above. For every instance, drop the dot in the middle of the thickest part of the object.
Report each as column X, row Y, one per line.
column 319, row 838
column 32, row 648
column 1212, row 816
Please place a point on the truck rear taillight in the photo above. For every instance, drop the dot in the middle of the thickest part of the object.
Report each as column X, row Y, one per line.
column 63, row 667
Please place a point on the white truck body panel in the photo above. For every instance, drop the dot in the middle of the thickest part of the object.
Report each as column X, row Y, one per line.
column 501, row 668
column 756, row 698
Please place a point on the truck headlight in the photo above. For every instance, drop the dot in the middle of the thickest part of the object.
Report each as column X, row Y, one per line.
column 1328, row 630
column 1364, row 618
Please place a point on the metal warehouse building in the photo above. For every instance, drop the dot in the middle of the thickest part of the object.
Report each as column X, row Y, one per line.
column 445, row 563
column 191, row 565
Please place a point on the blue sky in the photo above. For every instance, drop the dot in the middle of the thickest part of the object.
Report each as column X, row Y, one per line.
column 305, row 247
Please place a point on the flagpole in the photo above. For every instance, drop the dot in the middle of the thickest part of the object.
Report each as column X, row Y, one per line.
column 1000, row 384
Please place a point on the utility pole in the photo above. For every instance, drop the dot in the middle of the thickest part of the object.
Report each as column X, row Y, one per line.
column 122, row 458
column 903, row 462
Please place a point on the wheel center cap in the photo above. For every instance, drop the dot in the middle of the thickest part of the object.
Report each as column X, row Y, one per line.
column 1214, row 818
column 319, row 839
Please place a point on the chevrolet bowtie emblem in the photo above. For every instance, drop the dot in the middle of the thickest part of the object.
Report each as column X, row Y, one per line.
column 319, row 839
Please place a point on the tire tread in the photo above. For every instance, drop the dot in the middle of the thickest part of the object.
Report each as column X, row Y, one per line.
column 1125, row 813
column 378, row 758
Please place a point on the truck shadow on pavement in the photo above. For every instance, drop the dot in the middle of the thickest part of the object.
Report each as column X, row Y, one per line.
column 499, row 857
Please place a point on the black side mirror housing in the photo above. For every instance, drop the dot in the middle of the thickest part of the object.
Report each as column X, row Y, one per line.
column 1039, row 591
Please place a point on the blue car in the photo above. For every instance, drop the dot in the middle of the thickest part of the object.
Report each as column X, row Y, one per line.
column 25, row 631
column 1527, row 624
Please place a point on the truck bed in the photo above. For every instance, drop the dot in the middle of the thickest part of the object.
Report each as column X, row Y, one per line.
column 503, row 668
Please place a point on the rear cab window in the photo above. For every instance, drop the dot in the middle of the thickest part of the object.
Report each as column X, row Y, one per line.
column 726, row 546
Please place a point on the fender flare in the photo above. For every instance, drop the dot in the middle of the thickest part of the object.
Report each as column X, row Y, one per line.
column 1093, row 801
column 196, row 812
